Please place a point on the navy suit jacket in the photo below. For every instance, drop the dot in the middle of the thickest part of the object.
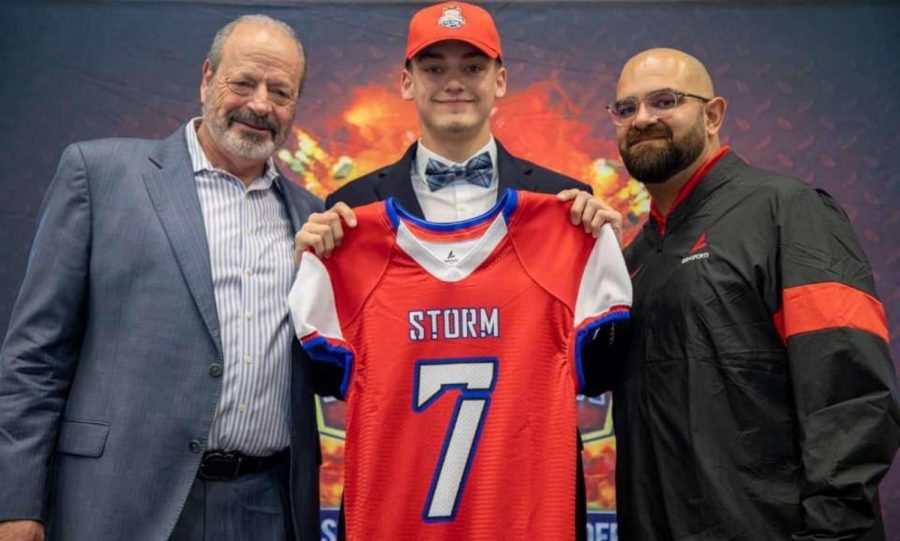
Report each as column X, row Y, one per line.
column 107, row 378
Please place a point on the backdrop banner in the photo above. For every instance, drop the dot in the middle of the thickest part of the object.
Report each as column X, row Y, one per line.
column 811, row 87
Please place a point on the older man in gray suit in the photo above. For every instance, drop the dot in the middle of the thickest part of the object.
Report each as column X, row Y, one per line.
column 149, row 388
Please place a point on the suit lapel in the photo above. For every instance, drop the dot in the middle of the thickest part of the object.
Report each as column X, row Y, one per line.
column 284, row 186
column 395, row 181
column 513, row 172
column 173, row 191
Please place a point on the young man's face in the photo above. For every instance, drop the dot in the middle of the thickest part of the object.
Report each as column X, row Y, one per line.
column 454, row 86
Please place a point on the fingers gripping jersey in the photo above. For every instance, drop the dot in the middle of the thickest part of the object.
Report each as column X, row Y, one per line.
column 460, row 347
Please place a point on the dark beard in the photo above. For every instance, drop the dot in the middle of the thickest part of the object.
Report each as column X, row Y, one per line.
column 657, row 165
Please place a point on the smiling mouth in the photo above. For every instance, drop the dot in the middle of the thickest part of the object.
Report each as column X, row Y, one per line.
column 254, row 128
column 649, row 140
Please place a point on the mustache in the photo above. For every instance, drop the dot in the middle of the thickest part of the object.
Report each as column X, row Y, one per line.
column 653, row 131
column 245, row 116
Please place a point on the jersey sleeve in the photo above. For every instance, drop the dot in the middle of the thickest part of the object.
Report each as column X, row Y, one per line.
column 316, row 323
column 586, row 274
column 835, row 332
column 328, row 295
column 602, row 312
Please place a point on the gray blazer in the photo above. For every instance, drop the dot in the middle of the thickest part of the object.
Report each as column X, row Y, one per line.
column 107, row 390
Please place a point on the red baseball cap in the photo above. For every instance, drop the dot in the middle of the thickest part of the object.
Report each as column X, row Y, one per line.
column 453, row 20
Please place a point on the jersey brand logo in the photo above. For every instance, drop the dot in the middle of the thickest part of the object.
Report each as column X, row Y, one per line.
column 451, row 257
column 696, row 252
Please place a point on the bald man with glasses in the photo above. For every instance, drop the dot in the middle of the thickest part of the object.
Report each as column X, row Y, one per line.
column 758, row 400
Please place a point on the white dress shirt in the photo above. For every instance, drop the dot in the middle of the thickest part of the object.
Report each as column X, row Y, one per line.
column 459, row 200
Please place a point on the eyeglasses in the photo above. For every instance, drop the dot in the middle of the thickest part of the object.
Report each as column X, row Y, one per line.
column 659, row 103
column 246, row 87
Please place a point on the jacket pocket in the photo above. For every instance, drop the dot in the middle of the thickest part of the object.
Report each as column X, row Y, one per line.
column 82, row 438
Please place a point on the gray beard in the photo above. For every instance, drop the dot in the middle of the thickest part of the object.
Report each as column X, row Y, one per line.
column 247, row 146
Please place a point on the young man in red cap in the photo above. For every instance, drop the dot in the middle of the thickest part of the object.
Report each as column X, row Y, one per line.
column 457, row 169
column 454, row 73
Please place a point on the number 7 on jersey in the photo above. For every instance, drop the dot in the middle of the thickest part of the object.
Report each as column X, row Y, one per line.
column 475, row 378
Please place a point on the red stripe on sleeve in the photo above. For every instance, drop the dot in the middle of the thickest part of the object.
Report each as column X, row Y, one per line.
column 829, row 305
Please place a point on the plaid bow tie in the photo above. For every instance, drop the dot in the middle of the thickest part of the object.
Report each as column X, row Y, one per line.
column 478, row 171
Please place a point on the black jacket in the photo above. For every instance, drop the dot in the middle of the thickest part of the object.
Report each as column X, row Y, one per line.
column 759, row 400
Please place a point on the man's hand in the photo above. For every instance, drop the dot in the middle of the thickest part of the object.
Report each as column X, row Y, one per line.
column 323, row 231
column 21, row 530
column 591, row 212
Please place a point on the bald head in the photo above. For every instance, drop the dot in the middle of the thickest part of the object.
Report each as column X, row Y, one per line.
column 671, row 118
column 654, row 69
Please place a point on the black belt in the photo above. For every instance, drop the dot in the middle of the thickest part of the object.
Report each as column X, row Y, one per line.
column 222, row 466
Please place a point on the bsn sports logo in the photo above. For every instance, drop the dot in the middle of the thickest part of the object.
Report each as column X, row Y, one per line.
column 695, row 252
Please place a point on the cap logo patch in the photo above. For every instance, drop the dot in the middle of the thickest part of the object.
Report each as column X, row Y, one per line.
column 451, row 17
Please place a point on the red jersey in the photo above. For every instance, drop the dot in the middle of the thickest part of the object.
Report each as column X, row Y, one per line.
column 461, row 349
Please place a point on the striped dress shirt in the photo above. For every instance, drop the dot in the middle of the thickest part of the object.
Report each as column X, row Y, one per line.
column 251, row 254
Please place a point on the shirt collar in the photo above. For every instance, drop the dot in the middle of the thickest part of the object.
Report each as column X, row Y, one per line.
column 199, row 161
column 423, row 154
column 686, row 190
